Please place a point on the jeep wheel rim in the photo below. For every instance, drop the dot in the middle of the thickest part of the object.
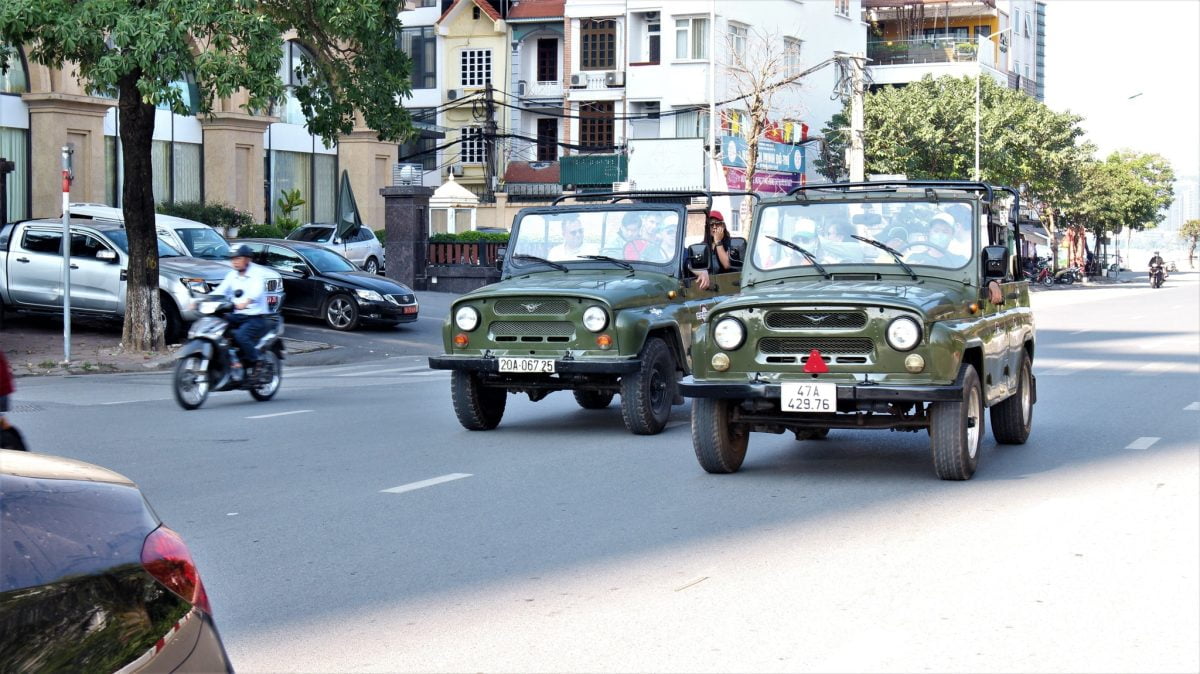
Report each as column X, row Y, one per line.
column 658, row 388
column 339, row 313
column 974, row 423
column 1026, row 398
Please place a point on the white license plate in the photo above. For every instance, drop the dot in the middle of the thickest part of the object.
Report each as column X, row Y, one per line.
column 538, row 365
column 808, row 397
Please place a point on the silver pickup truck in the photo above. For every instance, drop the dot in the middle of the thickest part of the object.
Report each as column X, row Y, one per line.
column 31, row 272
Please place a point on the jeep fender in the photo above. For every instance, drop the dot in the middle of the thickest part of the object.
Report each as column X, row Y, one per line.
column 948, row 348
column 634, row 327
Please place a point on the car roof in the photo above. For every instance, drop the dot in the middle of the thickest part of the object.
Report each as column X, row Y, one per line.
column 287, row 243
column 118, row 215
column 48, row 467
column 98, row 225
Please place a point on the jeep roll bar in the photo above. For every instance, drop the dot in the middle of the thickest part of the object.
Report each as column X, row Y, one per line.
column 975, row 186
column 614, row 197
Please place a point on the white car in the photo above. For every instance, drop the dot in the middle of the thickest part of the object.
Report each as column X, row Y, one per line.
column 360, row 247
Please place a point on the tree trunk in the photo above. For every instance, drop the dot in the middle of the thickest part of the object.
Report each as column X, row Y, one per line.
column 143, row 323
column 758, row 114
column 1053, row 240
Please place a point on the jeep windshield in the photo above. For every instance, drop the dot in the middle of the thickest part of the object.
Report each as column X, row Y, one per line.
column 625, row 235
column 923, row 233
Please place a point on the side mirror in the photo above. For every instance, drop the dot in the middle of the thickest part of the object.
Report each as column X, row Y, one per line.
column 300, row 269
column 501, row 252
column 995, row 262
column 737, row 248
column 106, row 255
column 697, row 256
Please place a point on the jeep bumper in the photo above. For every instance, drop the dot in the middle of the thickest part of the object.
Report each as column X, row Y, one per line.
column 690, row 388
column 490, row 364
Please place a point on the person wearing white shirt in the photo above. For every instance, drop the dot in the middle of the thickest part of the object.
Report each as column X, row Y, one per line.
column 246, row 287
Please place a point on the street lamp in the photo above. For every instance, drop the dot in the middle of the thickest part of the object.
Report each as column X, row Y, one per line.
column 978, row 73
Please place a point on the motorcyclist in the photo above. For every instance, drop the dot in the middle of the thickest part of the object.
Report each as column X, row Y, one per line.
column 1157, row 260
column 246, row 287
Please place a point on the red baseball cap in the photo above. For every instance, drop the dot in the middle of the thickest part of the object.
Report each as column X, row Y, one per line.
column 716, row 215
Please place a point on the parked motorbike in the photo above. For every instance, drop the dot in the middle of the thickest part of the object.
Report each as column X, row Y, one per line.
column 209, row 361
column 1157, row 275
column 1068, row 276
column 1171, row 266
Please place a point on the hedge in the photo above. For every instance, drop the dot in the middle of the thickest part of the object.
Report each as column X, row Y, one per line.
column 212, row 214
column 470, row 237
column 263, row 231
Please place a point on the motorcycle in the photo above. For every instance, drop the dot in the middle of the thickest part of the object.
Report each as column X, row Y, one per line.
column 209, row 360
column 1157, row 275
column 1067, row 276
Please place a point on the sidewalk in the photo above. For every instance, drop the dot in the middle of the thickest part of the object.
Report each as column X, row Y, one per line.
column 34, row 346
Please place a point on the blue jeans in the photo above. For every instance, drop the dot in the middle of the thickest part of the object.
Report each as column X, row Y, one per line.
column 247, row 330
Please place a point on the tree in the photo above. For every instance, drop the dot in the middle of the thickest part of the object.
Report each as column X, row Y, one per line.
column 1127, row 190
column 1190, row 233
column 135, row 49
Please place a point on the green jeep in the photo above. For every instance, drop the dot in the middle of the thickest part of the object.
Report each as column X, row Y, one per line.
column 871, row 305
column 596, row 298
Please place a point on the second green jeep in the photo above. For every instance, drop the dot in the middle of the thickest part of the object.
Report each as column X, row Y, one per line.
column 596, row 298
column 871, row 306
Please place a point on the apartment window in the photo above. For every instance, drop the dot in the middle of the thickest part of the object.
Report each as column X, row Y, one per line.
column 841, row 7
column 421, row 47
column 547, row 139
column 1027, row 31
column 596, row 125
column 598, row 44
column 1016, row 17
column 547, row 60
column 653, row 39
column 429, row 3
column 175, row 168
column 420, row 149
column 791, row 57
column 14, row 146
column 983, row 31
column 15, row 80
column 645, row 119
column 471, row 149
column 290, row 73
column 691, row 124
column 738, row 35
column 691, row 38
column 953, row 34
column 476, row 70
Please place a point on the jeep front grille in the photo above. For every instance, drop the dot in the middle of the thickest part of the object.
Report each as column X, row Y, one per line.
column 816, row 320
column 531, row 307
column 802, row 346
column 532, row 331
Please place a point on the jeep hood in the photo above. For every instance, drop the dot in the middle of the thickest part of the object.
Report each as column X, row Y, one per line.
column 617, row 289
column 934, row 299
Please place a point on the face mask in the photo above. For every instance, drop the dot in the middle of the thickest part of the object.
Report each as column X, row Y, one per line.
column 940, row 240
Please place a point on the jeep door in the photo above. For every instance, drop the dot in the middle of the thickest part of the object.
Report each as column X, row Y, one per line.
column 35, row 268
column 95, row 283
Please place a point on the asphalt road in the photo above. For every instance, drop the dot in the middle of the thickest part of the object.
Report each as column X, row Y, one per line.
column 559, row 542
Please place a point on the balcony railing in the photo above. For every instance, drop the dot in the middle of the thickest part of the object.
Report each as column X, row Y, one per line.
column 906, row 52
column 544, row 89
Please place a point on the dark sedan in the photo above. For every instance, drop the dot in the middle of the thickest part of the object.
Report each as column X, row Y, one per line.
column 90, row 578
column 320, row 283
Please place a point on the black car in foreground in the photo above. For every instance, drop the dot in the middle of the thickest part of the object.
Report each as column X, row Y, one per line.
column 320, row 283
column 90, row 578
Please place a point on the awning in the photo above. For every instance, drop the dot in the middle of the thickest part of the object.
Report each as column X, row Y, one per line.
column 1035, row 234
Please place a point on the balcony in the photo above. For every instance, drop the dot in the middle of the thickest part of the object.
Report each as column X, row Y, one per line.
column 553, row 89
column 912, row 52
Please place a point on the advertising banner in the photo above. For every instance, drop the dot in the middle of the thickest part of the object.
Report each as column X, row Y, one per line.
column 773, row 182
column 772, row 156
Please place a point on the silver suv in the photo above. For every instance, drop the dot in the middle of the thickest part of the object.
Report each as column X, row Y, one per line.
column 359, row 246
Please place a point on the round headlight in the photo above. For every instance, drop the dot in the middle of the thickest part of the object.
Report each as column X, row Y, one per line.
column 595, row 319
column 903, row 334
column 729, row 333
column 466, row 318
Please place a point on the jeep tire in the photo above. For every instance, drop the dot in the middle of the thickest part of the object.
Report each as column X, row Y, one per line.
column 594, row 400
column 478, row 407
column 719, row 443
column 647, row 395
column 1012, row 418
column 956, row 430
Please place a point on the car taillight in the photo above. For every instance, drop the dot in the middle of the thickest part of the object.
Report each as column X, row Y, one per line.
column 166, row 557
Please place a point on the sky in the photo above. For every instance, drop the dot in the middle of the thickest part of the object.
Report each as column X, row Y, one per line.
column 1099, row 53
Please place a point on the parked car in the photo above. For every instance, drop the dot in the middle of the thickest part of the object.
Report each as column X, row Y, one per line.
column 322, row 284
column 196, row 238
column 92, row 580
column 359, row 246
column 31, row 272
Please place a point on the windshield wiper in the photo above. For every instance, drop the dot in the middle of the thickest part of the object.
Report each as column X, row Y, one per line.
column 613, row 260
column 534, row 258
column 811, row 258
column 884, row 246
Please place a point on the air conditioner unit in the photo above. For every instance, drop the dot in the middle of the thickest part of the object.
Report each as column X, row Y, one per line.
column 615, row 78
column 521, row 88
column 579, row 80
column 456, row 170
column 452, row 94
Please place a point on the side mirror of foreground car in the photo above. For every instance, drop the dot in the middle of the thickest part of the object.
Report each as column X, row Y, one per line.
column 106, row 255
column 995, row 262
column 300, row 269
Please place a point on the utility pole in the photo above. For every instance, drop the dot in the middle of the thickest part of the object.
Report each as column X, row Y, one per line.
column 489, row 139
column 67, row 177
column 857, row 62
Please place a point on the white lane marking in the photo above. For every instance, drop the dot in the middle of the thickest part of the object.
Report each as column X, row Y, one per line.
column 411, row 486
column 371, row 372
column 1142, row 443
column 1072, row 368
column 1194, row 407
column 1154, row 368
column 126, row 402
column 1080, row 332
column 277, row 414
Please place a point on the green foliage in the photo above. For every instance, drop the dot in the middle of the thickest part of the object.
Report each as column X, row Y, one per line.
column 261, row 232
column 1190, row 233
column 471, row 236
column 381, row 234
column 289, row 203
column 212, row 214
column 1128, row 189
